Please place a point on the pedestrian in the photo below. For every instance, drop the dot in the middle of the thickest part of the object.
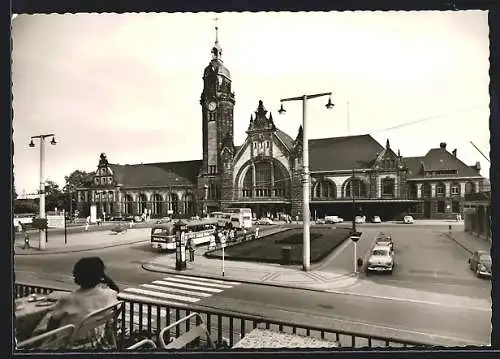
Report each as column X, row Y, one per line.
column 244, row 234
column 297, row 219
column 257, row 232
column 26, row 236
column 87, row 223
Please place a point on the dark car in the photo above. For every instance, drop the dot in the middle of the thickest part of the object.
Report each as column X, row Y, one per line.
column 480, row 262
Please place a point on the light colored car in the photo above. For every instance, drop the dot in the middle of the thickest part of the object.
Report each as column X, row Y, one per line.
column 408, row 219
column 360, row 219
column 376, row 219
column 333, row 219
column 265, row 221
column 320, row 221
column 480, row 262
column 381, row 259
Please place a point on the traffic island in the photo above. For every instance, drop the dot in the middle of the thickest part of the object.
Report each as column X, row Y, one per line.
column 285, row 247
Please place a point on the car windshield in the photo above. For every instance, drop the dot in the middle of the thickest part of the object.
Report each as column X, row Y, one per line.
column 485, row 258
column 379, row 252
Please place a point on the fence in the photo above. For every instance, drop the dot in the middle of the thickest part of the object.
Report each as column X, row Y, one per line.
column 151, row 317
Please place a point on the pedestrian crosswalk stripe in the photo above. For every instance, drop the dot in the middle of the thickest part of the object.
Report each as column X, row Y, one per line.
column 209, row 280
column 134, row 297
column 187, row 286
column 181, row 291
column 162, row 295
column 189, row 281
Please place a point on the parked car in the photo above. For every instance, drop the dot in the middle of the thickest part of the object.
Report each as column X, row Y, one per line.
column 265, row 221
column 376, row 219
column 480, row 262
column 163, row 220
column 138, row 219
column 333, row 219
column 381, row 260
column 320, row 221
column 360, row 219
column 408, row 219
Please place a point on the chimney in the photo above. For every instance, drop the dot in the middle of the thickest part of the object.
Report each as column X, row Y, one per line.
column 478, row 166
column 455, row 152
column 442, row 145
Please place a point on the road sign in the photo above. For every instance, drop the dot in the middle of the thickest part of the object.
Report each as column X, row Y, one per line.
column 355, row 236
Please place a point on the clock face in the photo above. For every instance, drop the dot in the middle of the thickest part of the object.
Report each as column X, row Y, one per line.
column 211, row 106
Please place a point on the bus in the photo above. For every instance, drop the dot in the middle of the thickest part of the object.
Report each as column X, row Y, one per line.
column 240, row 217
column 164, row 236
column 222, row 218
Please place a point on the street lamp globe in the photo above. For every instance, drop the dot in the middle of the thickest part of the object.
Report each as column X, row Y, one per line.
column 281, row 110
column 32, row 144
column 53, row 141
column 329, row 105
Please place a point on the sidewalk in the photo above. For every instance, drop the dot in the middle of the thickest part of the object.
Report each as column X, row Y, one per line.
column 468, row 241
column 79, row 242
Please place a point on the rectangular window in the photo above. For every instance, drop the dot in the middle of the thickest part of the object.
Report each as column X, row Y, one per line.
column 440, row 190
column 455, row 190
column 440, row 206
column 110, row 180
column 455, row 207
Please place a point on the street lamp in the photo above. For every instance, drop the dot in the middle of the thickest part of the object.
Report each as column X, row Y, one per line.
column 305, row 161
column 205, row 195
column 42, row 240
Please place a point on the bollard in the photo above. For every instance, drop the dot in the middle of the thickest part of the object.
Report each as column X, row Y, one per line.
column 449, row 227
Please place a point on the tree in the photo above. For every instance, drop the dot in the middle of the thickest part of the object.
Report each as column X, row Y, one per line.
column 77, row 179
column 54, row 198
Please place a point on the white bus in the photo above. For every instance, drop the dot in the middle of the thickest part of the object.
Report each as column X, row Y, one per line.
column 240, row 217
column 164, row 236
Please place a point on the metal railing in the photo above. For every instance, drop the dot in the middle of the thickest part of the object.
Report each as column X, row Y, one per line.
column 150, row 317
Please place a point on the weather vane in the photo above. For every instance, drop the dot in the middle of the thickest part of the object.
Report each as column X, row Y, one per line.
column 216, row 29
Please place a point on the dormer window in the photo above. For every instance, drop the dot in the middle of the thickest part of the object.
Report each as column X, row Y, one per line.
column 96, row 180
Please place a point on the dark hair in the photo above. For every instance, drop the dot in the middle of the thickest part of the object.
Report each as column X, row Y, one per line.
column 88, row 272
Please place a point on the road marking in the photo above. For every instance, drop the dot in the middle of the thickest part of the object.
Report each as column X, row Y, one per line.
column 409, row 300
column 192, row 281
column 167, row 289
column 187, row 286
column 162, row 295
column 207, row 280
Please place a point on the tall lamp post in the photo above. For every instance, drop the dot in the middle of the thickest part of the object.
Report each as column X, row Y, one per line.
column 205, row 195
column 305, row 160
column 42, row 240
column 353, row 204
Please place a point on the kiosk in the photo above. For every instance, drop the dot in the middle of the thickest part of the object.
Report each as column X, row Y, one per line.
column 180, row 247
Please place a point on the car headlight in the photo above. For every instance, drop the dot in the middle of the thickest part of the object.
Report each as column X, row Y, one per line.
column 482, row 267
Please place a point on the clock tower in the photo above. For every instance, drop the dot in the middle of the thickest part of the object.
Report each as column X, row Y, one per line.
column 217, row 104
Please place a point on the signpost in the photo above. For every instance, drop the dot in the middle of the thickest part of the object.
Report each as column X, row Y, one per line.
column 223, row 243
column 58, row 221
column 355, row 236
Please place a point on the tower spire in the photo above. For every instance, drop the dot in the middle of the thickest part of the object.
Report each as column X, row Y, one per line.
column 216, row 50
column 216, row 30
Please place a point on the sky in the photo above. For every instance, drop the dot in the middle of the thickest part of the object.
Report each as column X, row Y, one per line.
column 129, row 85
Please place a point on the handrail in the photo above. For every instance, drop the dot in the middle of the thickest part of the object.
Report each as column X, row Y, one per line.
column 143, row 343
column 233, row 315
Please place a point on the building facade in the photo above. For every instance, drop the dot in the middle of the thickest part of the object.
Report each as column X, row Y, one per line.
column 349, row 175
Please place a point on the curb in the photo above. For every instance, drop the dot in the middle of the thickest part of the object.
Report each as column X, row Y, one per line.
column 457, row 242
column 84, row 249
column 207, row 276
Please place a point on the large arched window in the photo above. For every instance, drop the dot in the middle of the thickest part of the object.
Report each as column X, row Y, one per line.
column 426, row 190
column 388, row 187
column 324, row 189
column 470, row 187
column 141, row 204
column 355, row 187
column 129, row 204
column 189, row 204
column 270, row 180
column 156, row 205
column 412, row 190
column 173, row 203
